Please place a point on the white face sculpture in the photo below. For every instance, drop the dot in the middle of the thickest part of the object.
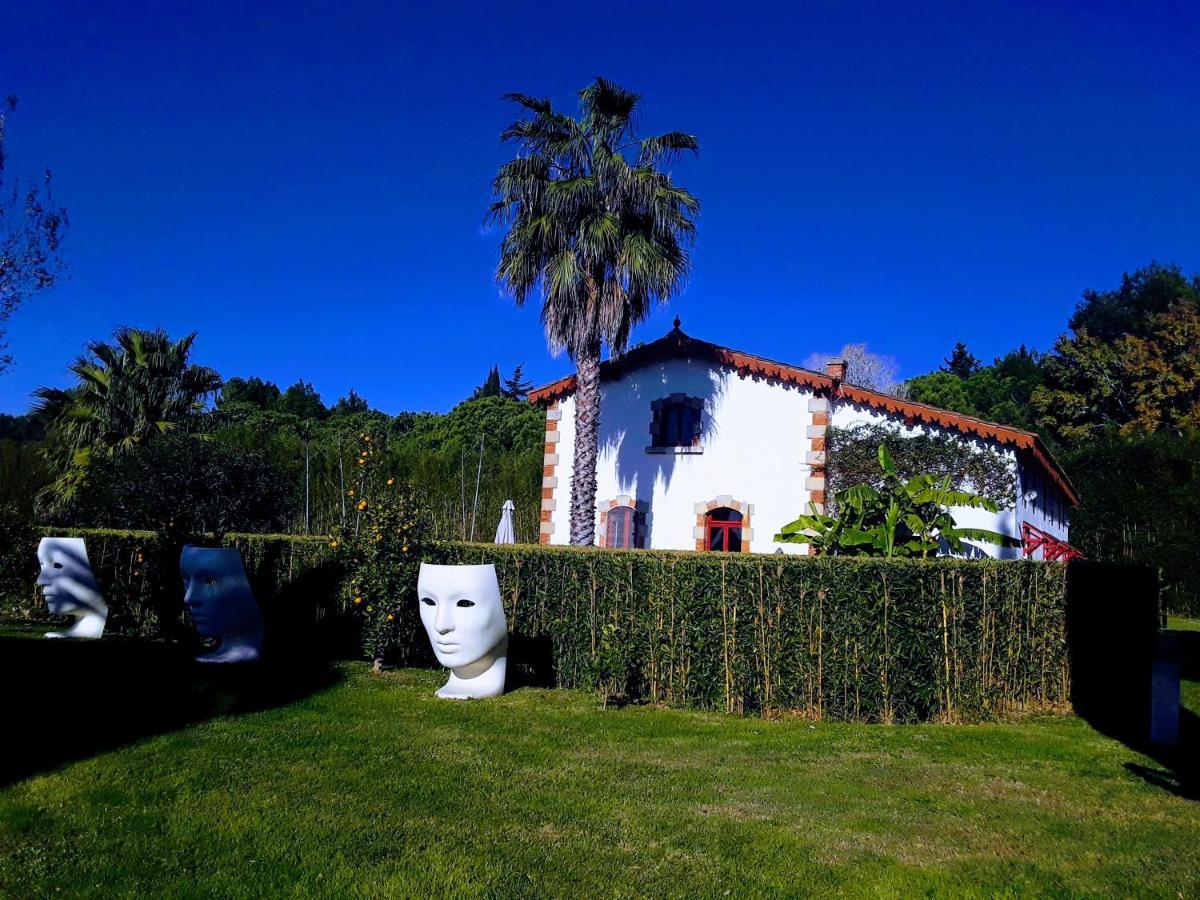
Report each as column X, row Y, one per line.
column 70, row 588
column 464, row 618
column 218, row 596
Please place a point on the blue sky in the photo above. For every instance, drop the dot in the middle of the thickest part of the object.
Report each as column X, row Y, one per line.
column 304, row 184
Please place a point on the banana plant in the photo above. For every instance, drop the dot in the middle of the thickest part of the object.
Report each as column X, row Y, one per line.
column 899, row 517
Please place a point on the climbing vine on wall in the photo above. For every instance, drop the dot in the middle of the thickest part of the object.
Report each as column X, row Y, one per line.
column 973, row 466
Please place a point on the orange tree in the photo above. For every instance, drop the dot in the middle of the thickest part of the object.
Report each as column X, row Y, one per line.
column 381, row 548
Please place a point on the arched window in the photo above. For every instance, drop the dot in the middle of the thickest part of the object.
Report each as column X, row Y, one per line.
column 621, row 523
column 677, row 421
column 621, row 528
column 723, row 528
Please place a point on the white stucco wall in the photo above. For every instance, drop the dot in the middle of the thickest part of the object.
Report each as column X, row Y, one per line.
column 1041, row 503
column 754, row 442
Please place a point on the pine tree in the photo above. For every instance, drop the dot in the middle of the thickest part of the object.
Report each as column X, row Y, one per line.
column 351, row 403
column 962, row 362
column 516, row 387
column 490, row 386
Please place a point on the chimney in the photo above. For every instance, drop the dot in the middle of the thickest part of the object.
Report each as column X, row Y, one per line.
column 836, row 369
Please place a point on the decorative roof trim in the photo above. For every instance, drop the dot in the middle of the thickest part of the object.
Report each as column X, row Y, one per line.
column 677, row 344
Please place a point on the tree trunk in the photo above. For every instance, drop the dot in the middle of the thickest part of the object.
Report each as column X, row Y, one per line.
column 587, row 445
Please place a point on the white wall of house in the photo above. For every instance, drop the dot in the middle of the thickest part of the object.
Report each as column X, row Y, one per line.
column 753, row 449
column 1042, row 504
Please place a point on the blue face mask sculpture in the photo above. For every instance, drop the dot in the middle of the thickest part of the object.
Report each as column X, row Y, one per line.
column 221, row 604
column 70, row 588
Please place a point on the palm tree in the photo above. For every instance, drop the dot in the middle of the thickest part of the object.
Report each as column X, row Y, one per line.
column 599, row 232
column 129, row 391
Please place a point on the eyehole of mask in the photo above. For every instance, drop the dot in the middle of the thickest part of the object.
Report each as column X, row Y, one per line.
column 428, row 601
column 58, row 565
column 465, row 602
column 210, row 581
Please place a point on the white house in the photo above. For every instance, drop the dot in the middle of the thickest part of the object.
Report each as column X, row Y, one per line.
column 707, row 448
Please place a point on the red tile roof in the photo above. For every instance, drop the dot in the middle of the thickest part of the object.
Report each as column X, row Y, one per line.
column 676, row 344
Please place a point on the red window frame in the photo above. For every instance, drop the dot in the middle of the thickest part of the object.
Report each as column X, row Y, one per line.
column 723, row 527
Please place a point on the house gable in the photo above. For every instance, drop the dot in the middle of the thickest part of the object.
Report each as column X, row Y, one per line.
column 677, row 344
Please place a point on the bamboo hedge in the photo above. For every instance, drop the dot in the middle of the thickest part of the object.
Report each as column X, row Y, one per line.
column 851, row 639
column 829, row 638
column 138, row 572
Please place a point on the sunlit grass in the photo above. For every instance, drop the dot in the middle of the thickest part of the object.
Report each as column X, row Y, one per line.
column 1179, row 623
column 374, row 787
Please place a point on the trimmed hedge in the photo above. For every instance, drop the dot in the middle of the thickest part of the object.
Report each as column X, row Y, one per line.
column 849, row 639
column 830, row 638
column 144, row 591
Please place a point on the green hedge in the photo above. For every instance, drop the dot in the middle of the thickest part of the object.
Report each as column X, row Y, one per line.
column 142, row 586
column 831, row 638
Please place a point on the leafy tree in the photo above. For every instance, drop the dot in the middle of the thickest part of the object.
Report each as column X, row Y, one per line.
column 962, row 362
column 1108, row 315
column 139, row 387
column 350, row 404
column 18, row 567
column 490, row 386
column 1000, row 392
column 944, row 390
column 303, row 401
column 873, row 371
column 32, row 227
column 598, row 230
column 896, row 517
column 200, row 486
column 24, row 428
column 1163, row 369
column 382, row 548
column 506, row 424
column 23, row 475
column 1140, row 382
column 1141, row 503
column 515, row 386
column 252, row 391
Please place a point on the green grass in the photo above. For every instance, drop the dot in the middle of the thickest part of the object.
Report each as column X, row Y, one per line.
column 1179, row 623
column 371, row 786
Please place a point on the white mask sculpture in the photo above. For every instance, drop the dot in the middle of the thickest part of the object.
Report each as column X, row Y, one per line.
column 70, row 587
column 218, row 595
column 463, row 615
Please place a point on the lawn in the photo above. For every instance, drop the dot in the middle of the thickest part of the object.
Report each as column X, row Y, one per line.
column 347, row 783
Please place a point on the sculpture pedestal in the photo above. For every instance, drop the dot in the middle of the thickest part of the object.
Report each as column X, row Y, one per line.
column 475, row 682
column 89, row 625
column 235, row 648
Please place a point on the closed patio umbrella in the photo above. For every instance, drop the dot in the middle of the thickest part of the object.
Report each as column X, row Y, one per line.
column 504, row 531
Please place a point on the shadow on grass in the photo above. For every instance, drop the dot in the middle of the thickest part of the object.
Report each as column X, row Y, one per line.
column 69, row 700
column 530, row 663
column 1112, row 634
column 1180, row 772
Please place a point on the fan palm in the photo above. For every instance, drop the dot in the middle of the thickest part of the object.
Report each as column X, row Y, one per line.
column 599, row 231
column 129, row 391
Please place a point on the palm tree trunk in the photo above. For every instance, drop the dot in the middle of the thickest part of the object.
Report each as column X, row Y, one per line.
column 587, row 444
